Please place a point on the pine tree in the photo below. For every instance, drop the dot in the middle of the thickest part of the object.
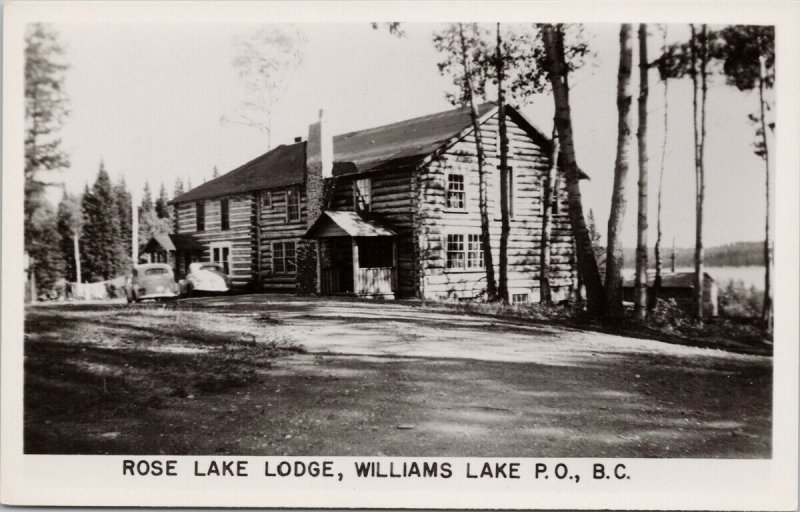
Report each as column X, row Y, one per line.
column 162, row 203
column 178, row 190
column 215, row 173
column 43, row 243
column 101, row 232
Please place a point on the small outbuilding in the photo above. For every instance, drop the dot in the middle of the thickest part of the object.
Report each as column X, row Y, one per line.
column 680, row 286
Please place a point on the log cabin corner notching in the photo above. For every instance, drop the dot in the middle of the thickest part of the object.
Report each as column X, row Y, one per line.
column 387, row 212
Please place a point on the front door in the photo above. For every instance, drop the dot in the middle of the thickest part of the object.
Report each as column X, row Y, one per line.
column 221, row 254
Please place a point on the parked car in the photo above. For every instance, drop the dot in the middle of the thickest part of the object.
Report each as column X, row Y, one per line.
column 151, row 281
column 205, row 277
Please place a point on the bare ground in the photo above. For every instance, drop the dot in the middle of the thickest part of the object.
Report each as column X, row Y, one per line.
column 284, row 375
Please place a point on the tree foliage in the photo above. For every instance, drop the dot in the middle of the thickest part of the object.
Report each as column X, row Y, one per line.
column 266, row 60
column 102, row 251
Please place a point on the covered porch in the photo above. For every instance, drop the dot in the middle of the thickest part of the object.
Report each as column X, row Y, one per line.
column 356, row 255
column 178, row 251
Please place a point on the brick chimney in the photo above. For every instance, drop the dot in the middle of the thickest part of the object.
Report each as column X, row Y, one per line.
column 319, row 166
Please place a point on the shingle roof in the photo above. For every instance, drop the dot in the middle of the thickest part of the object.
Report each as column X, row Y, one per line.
column 402, row 144
column 350, row 222
column 280, row 167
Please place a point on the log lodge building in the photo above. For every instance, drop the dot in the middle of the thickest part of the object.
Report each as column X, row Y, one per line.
column 386, row 212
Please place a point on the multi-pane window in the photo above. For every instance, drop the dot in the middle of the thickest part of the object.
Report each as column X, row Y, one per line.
column 455, row 251
column 464, row 251
column 266, row 199
column 456, row 195
column 362, row 191
column 283, row 258
column 474, row 252
column 292, row 205
column 520, row 298
column 200, row 215
column 224, row 214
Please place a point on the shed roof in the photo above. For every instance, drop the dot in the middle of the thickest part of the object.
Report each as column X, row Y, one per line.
column 350, row 223
column 171, row 242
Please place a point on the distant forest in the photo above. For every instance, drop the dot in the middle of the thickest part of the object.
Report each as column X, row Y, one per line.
column 739, row 254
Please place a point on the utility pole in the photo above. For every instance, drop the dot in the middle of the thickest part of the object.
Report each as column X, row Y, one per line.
column 134, row 226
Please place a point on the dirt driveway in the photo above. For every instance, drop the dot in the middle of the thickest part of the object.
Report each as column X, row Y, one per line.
column 385, row 379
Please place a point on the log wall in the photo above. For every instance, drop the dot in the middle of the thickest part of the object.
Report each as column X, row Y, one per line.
column 435, row 221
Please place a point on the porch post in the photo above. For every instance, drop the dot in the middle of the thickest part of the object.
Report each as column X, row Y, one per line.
column 355, row 267
column 319, row 266
column 394, row 264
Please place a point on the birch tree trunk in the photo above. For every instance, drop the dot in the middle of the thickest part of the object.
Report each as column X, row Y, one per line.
column 766, row 315
column 558, row 77
column 486, row 245
column 699, row 165
column 640, row 282
column 546, row 296
column 505, row 189
column 659, row 233
column 614, row 256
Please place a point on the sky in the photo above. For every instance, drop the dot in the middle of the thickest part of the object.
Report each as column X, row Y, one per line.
column 147, row 100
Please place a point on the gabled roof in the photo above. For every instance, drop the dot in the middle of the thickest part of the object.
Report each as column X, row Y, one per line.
column 280, row 167
column 346, row 223
column 403, row 144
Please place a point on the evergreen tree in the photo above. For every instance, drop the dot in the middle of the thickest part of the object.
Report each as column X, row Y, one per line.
column 162, row 203
column 45, row 110
column 101, row 231
column 42, row 241
column 123, row 200
column 215, row 172
column 178, row 188
column 147, row 198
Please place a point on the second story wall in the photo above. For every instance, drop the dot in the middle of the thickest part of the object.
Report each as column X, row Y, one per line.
column 235, row 241
column 282, row 215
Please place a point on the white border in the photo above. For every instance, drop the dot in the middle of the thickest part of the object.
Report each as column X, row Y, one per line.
column 657, row 484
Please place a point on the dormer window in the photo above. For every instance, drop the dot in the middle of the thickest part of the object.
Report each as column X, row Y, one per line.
column 362, row 192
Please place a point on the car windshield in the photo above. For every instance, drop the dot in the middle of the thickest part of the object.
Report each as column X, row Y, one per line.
column 156, row 271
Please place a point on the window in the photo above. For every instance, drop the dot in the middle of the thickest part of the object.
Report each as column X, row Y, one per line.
column 509, row 192
column 221, row 255
column 520, row 298
column 455, row 251
column 362, row 195
column 156, row 271
column 462, row 255
column 224, row 214
column 474, row 252
column 456, row 196
column 283, row 258
column 266, row 199
column 292, row 205
column 200, row 215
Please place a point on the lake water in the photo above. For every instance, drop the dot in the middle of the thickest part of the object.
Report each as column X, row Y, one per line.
column 750, row 276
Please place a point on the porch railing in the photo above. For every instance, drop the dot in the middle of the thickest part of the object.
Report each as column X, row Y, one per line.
column 374, row 281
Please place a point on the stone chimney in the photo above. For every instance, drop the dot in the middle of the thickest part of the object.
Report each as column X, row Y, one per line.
column 319, row 166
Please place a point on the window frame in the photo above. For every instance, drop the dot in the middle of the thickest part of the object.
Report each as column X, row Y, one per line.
column 266, row 199
column 284, row 259
column 510, row 192
column 224, row 214
column 469, row 251
column 448, row 191
column 200, row 216
column 357, row 194
column 292, row 192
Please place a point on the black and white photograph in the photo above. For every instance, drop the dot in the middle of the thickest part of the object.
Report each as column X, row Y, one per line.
column 505, row 238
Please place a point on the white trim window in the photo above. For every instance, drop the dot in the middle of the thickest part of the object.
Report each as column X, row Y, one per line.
column 362, row 195
column 464, row 251
column 283, row 257
column 456, row 192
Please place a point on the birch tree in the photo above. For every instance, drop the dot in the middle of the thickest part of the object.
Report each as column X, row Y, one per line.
column 640, row 284
column 558, row 75
column 748, row 54
column 659, row 264
column 266, row 60
column 614, row 254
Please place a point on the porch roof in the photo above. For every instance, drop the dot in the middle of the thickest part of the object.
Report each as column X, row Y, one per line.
column 344, row 223
column 172, row 242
